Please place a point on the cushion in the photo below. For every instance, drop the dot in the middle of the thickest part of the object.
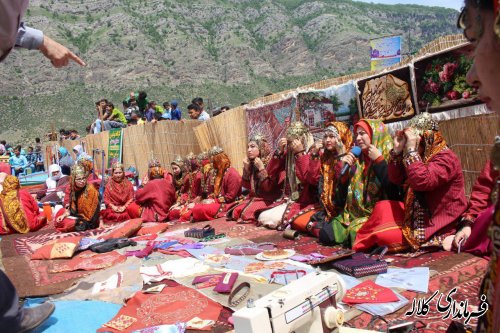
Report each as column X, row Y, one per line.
column 61, row 248
column 125, row 229
column 152, row 228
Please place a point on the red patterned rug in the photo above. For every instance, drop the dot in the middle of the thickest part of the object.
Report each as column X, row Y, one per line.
column 462, row 271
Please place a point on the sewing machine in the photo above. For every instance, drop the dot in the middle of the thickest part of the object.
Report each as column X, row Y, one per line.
column 306, row 305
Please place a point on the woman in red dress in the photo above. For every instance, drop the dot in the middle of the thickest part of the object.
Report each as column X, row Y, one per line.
column 156, row 195
column 119, row 197
column 263, row 190
column 19, row 211
column 435, row 197
column 177, row 176
column 291, row 170
column 227, row 188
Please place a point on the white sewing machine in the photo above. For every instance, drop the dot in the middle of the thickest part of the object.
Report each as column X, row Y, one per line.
column 306, row 305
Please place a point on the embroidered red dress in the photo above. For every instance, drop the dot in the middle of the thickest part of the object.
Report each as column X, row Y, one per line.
column 308, row 176
column 264, row 191
column 155, row 198
column 119, row 194
column 229, row 192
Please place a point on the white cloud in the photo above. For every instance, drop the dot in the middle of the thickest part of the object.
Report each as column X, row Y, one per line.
column 455, row 4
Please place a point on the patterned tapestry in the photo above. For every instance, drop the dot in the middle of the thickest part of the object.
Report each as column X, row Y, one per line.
column 387, row 97
column 338, row 103
column 440, row 81
column 271, row 120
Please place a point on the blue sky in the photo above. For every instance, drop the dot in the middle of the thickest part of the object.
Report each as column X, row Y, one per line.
column 455, row 4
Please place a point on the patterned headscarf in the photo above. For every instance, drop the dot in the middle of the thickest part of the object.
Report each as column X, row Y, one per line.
column 431, row 143
column 12, row 209
column 328, row 162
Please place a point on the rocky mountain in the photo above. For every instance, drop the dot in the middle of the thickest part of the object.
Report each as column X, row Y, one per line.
column 228, row 51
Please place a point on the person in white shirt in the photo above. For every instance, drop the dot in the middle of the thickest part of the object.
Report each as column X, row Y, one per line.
column 195, row 112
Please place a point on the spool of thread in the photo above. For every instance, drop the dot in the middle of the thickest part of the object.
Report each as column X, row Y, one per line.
column 333, row 317
column 291, row 234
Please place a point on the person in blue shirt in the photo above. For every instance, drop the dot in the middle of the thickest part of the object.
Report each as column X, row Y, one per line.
column 167, row 115
column 18, row 162
column 176, row 113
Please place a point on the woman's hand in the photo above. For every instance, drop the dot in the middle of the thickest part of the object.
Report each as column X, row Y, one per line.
column 462, row 235
column 316, row 147
column 373, row 152
column 59, row 219
column 297, row 146
column 412, row 139
column 349, row 158
column 246, row 164
column 282, row 144
column 258, row 164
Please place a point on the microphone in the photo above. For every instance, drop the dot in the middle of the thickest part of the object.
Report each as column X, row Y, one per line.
column 356, row 151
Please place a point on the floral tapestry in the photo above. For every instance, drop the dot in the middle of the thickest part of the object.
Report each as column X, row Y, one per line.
column 441, row 83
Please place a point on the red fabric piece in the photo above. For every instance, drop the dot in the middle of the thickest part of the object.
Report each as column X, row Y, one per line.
column 36, row 219
column 479, row 244
column 87, row 261
column 205, row 212
column 151, row 228
column 174, row 304
column 144, row 238
column 442, row 184
column 126, row 229
column 156, row 198
column 61, row 248
column 369, row 292
column 383, row 227
column 132, row 211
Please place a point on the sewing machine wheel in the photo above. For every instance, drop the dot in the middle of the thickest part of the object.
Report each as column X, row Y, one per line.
column 333, row 317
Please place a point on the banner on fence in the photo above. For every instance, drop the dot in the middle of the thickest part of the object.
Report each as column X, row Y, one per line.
column 115, row 146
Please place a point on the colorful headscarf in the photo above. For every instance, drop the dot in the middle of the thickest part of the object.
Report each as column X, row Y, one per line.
column 155, row 170
column 364, row 190
column 328, row 162
column 63, row 151
column 12, row 209
column 431, row 143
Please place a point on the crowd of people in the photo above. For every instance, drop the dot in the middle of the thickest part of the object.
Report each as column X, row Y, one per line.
column 21, row 161
column 138, row 109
